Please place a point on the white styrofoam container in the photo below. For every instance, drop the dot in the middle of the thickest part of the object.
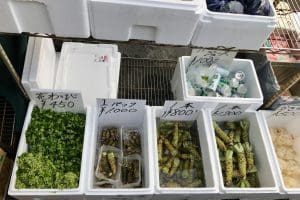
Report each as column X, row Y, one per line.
column 146, row 192
column 43, row 64
column 211, row 189
column 80, row 68
column 40, row 65
column 162, row 21
column 254, row 98
column 27, row 65
column 7, row 19
column 269, row 186
column 50, row 194
column 292, row 124
column 67, row 18
column 241, row 31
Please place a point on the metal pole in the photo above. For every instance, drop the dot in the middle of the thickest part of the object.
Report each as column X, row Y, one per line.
column 11, row 69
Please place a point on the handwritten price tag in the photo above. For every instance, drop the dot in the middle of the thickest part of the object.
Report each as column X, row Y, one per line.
column 206, row 57
column 58, row 100
column 287, row 110
column 181, row 110
column 225, row 110
column 121, row 110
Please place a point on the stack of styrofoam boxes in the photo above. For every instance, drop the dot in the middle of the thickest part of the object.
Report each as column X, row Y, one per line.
column 40, row 64
column 291, row 124
column 253, row 100
column 267, row 178
column 229, row 30
column 92, row 68
column 67, row 18
column 210, row 191
column 33, row 194
column 142, row 120
column 166, row 22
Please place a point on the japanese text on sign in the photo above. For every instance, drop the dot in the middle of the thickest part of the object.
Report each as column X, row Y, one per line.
column 225, row 110
column 208, row 57
column 180, row 110
column 58, row 100
column 287, row 110
column 117, row 106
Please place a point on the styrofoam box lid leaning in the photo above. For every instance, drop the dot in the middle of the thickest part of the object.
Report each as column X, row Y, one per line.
column 43, row 68
column 89, row 68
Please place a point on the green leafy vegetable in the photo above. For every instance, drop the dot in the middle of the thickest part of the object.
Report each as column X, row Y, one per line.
column 55, row 143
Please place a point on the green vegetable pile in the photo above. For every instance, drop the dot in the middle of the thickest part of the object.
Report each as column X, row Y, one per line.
column 55, row 142
column 236, row 154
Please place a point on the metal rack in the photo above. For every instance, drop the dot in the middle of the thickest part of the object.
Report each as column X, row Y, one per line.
column 286, row 36
column 146, row 79
column 8, row 137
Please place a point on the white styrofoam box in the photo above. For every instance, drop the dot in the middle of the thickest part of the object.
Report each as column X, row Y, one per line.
column 43, row 64
column 162, row 21
column 211, row 189
column 67, row 18
column 27, row 64
column 269, row 187
column 291, row 124
column 254, row 98
column 7, row 19
column 40, row 65
column 146, row 192
column 91, row 68
column 233, row 30
column 50, row 194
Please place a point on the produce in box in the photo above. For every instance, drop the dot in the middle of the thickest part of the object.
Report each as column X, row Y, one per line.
column 288, row 154
column 179, row 155
column 113, row 170
column 55, row 142
column 236, row 154
column 131, row 142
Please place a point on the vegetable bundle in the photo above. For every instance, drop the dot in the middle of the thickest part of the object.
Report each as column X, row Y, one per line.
column 55, row 142
column 179, row 155
column 236, row 154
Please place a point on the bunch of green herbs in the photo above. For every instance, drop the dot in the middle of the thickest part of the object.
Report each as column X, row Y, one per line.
column 55, row 142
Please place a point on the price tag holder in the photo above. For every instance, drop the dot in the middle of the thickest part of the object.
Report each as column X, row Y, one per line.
column 58, row 100
column 181, row 110
column 287, row 111
column 204, row 57
column 229, row 110
column 122, row 110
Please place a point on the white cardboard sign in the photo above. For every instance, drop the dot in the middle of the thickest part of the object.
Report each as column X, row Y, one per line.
column 206, row 57
column 120, row 109
column 58, row 100
column 228, row 110
column 287, row 110
column 181, row 110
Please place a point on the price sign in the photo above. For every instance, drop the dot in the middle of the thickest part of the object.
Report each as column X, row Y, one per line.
column 58, row 100
column 127, row 108
column 287, row 110
column 228, row 110
column 204, row 57
column 181, row 110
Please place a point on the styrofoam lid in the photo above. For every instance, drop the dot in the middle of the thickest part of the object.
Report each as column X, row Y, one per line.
column 89, row 68
column 43, row 68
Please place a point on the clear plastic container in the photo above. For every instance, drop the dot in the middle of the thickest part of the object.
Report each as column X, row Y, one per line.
column 131, row 171
column 108, row 166
column 110, row 136
column 131, row 141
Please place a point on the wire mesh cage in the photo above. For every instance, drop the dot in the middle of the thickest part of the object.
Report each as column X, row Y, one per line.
column 146, row 79
column 8, row 139
column 287, row 32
